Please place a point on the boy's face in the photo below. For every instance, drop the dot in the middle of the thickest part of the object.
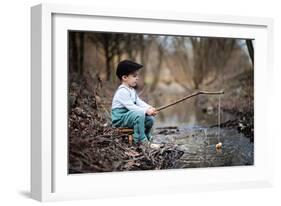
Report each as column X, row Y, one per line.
column 131, row 79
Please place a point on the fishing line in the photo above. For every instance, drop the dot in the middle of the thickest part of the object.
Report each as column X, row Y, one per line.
column 219, row 145
column 219, row 119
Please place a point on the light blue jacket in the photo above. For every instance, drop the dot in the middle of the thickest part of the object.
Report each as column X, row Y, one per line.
column 126, row 97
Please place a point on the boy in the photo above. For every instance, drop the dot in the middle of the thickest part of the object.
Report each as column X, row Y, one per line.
column 128, row 110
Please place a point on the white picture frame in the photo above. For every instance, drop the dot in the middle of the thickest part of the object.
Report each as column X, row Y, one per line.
column 49, row 178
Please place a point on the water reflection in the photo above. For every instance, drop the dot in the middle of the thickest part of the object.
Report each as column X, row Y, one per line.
column 185, row 113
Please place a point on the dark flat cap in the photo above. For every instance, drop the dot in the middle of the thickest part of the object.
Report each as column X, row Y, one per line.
column 126, row 67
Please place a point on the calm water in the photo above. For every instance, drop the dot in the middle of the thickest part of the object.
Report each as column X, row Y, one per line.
column 193, row 135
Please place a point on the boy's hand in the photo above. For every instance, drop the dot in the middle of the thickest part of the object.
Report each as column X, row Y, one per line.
column 154, row 111
column 151, row 111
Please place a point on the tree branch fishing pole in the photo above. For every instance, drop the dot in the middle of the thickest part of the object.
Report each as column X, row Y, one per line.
column 187, row 97
column 219, row 145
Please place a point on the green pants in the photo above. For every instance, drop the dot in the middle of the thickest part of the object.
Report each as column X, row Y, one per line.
column 140, row 122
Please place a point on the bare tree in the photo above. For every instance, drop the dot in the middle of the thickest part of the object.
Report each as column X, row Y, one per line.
column 182, row 53
column 76, row 52
column 109, row 42
column 202, row 59
column 73, row 52
column 250, row 49
column 220, row 50
column 160, row 44
column 199, row 52
column 81, row 52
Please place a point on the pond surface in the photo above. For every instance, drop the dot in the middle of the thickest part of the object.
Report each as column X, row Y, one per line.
column 189, row 128
column 199, row 146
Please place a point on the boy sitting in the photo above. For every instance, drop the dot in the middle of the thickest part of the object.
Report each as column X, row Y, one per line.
column 128, row 110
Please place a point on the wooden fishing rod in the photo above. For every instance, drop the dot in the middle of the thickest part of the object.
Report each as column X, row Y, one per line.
column 187, row 97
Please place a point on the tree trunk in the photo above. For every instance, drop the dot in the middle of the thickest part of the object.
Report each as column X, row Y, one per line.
column 250, row 49
column 156, row 79
column 81, row 53
column 107, row 56
column 73, row 53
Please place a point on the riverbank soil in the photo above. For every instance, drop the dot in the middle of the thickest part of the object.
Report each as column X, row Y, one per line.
column 94, row 146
